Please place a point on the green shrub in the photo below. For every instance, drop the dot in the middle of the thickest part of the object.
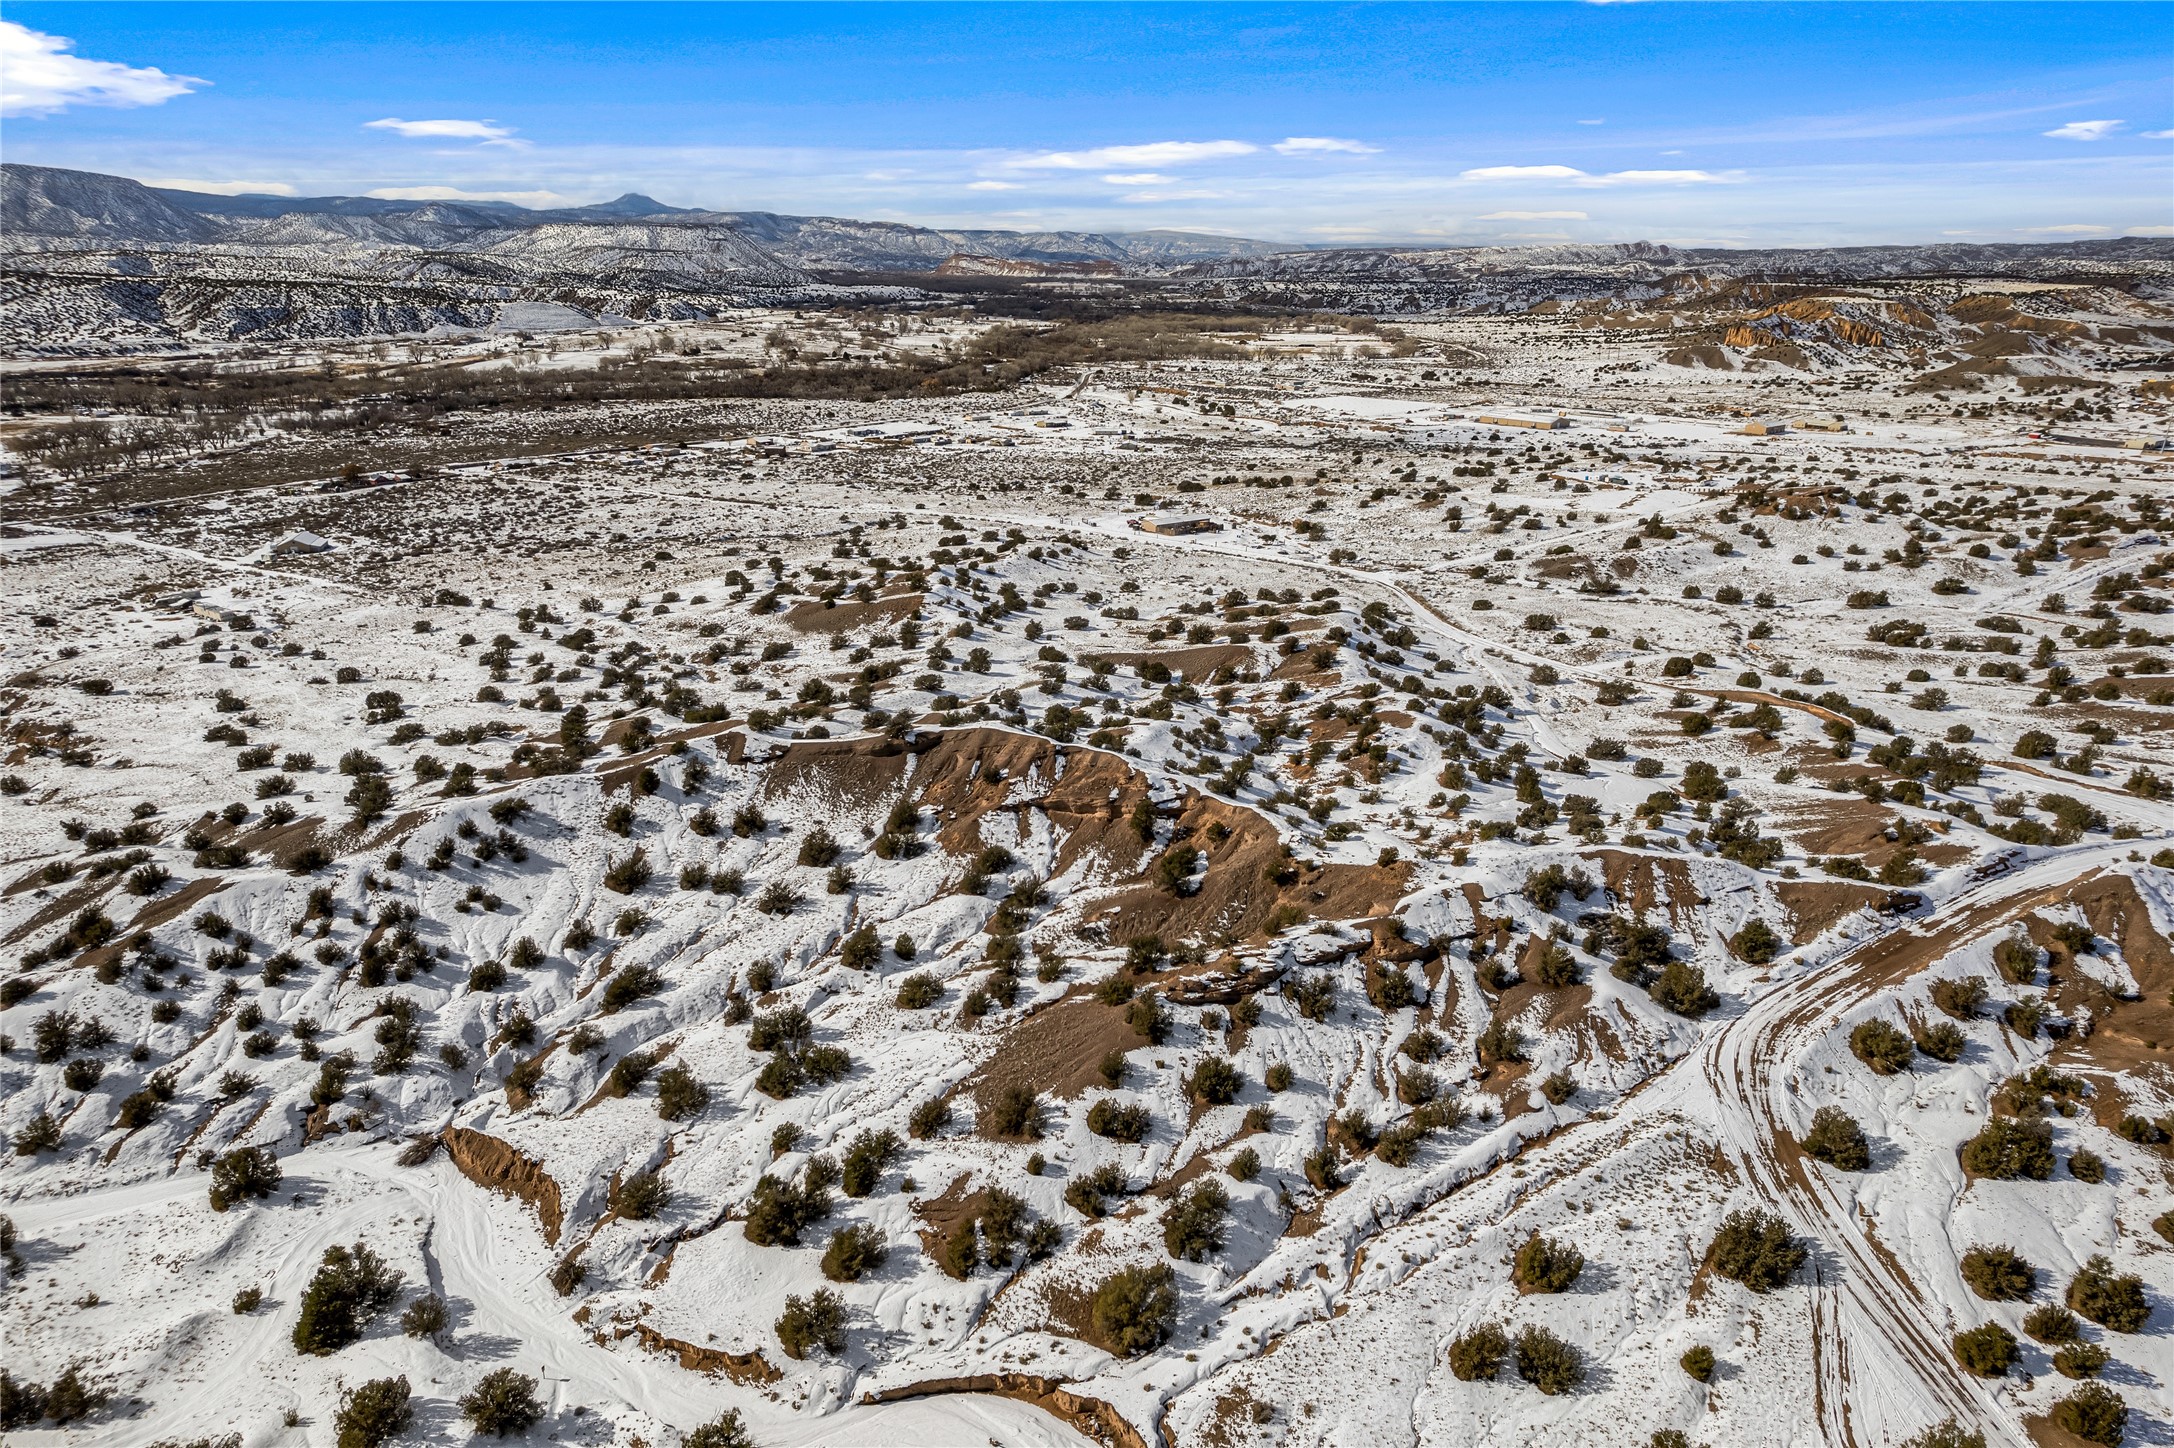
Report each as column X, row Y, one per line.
column 1118, row 1122
column 624, row 876
column 1755, row 1248
column 1476, row 1356
column 680, row 1096
column 723, row 1431
column 2051, row 1323
column 1948, row 1434
column 640, row 1197
column 854, row 1252
column 1214, row 1082
column 1988, row 1351
column 866, row 1156
column 425, row 1316
column 2087, row 1166
column 930, row 1117
column 1547, row 1362
column 2094, row 1413
column 2081, row 1360
column 1699, row 1363
column 815, row 1321
column 1882, row 1046
column 1962, row 997
column 1545, row 1265
column 1943, row 1041
column 1837, row 1140
column 2006, row 1149
column 2017, row 960
column 502, row 1404
column 1192, row 1229
column 1756, row 943
column 248, row 1171
column 629, row 984
column 1135, row 1307
column 373, row 1413
column 351, row 1286
column 1086, row 1193
column 2113, row 1302
column 919, row 991
column 1015, row 1115
column 1998, row 1274
column 248, row 1300
column 1681, row 987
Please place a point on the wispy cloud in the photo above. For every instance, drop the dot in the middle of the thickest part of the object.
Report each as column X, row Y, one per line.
column 1523, row 173
column 1323, row 145
column 454, row 193
column 2085, row 130
column 992, row 185
column 1138, row 178
column 221, row 188
column 1584, row 178
column 38, row 77
column 1156, row 154
column 2159, row 135
column 2074, row 228
column 490, row 133
column 1596, row 121
column 1143, row 198
column 1660, row 178
column 1532, row 216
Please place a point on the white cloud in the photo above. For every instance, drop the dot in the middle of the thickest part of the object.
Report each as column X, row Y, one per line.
column 1656, row 178
column 39, row 77
column 443, row 130
column 2085, row 130
column 2149, row 231
column 1532, row 216
column 1138, row 178
column 1150, row 197
column 221, row 188
column 992, row 185
column 1612, row 178
column 454, row 193
column 1316, row 145
column 1523, row 173
column 2159, row 135
column 1596, row 121
column 1152, row 153
column 2074, row 228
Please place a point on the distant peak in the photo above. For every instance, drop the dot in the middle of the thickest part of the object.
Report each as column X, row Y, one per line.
column 635, row 204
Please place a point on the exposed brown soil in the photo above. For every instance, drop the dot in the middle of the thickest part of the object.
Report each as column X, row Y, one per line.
column 944, row 1212
column 749, row 1369
column 500, row 1167
column 817, row 617
column 1091, row 1416
column 1815, row 906
column 62, row 906
column 1236, row 897
column 2128, row 1037
column 1055, row 1051
column 1193, row 665
column 1644, row 881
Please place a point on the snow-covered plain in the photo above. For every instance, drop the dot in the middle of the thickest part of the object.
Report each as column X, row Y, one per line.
column 1330, row 697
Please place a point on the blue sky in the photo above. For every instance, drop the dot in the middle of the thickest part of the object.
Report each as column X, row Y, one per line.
column 1716, row 124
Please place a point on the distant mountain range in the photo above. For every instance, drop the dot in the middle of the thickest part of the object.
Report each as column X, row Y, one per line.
column 95, row 262
column 42, row 206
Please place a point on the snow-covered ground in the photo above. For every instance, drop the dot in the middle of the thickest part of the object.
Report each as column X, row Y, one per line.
column 1330, row 754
